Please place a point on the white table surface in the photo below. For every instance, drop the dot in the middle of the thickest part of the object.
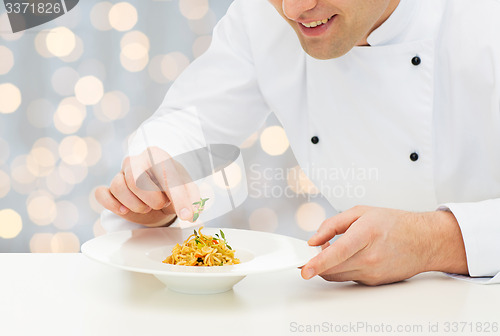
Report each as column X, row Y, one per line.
column 68, row 294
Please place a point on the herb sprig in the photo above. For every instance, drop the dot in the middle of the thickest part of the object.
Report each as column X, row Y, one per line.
column 223, row 238
column 197, row 240
column 200, row 206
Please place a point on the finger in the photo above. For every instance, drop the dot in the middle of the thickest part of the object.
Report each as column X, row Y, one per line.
column 338, row 252
column 145, row 189
column 324, row 246
column 341, row 277
column 179, row 188
column 120, row 190
column 336, row 225
column 193, row 192
column 107, row 200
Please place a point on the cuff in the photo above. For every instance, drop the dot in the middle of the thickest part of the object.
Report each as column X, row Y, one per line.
column 480, row 226
column 112, row 222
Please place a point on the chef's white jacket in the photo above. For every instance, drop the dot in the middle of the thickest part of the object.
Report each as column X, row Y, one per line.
column 411, row 122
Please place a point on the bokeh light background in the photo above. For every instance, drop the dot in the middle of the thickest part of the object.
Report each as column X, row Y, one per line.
column 72, row 90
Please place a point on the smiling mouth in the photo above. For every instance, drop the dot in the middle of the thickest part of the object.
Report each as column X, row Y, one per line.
column 315, row 24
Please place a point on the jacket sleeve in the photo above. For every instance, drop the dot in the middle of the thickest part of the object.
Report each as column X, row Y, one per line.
column 480, row 226
column 216, row 100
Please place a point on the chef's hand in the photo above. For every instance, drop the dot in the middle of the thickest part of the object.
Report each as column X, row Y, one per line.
column 381, row 246
column 150, row 194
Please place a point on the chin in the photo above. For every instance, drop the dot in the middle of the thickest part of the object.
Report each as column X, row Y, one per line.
column 323, row 53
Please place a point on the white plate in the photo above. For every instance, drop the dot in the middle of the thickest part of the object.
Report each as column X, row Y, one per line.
column 144, row 250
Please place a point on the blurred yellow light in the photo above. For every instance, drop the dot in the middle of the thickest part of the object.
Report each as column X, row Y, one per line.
column 94, row 151
column 299, row 182
column 41, row 208
column 20, row 172
column 98, row 229
column 134, row 51
column 274, row 140
column 154, row 70
column 135, row 36
column 233, row 176
column 65, row 242
column 60, row 41
column 56, row 185
column 49, row 144
column 40, row 243
column 122, row 16
column 41, row 44
column 11, row 224
column 89, row 90
column 134, row 65
column 72, row 174
column 76, row 53
column 263, row 219
column 193, row 9
column 10, row 98
column 7, row 58
column 40, row 161
column 73, row 150
column 201, row 44
column 69, row 116
column 173, row 64
column 4, row 184
column 6, row 31
column 309, row 216
column 99, row 15
column 114, row 105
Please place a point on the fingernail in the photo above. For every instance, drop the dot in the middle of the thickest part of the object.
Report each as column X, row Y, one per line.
column 185, row 214
column 309, row 273
column 123, row 210
column 312, row 239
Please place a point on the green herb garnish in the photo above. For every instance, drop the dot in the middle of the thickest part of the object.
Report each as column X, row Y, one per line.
column 200, row 206
column 223, row 238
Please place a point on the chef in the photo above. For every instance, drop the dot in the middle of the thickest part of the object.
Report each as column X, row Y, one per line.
column 407, row 88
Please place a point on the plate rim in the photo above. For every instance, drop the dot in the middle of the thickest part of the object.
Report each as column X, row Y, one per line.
column 234, row 273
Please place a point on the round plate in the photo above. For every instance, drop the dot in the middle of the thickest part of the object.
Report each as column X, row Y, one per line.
column 144, row 250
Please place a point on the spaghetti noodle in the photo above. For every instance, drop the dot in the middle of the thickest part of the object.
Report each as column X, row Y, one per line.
column 203, row 250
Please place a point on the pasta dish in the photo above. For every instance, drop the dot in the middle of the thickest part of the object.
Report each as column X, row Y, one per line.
column 203, row 250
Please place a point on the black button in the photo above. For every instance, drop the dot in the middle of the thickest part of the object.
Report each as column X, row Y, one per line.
column 414, row 157
column 416, row 61
column 314, row 139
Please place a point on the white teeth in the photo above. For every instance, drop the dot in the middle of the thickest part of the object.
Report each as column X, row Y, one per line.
column 316, row 23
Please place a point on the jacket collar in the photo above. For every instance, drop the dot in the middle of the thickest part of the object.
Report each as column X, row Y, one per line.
column 394, row 29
